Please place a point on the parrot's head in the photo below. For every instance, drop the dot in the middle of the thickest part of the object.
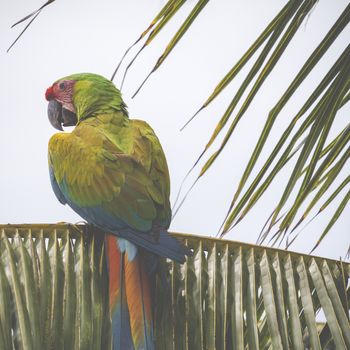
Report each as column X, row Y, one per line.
column 80, row 96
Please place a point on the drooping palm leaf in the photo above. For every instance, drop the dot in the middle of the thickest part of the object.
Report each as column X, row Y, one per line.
column 235, row 210
column 325, row 183
column 164, row 15
column 334, row 218
column 32, row 16
column 330, row 95
column 178, row 35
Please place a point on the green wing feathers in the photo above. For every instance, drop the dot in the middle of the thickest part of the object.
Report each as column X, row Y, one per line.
column 117, row 164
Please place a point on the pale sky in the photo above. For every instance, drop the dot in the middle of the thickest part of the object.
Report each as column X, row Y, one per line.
column 91, row 36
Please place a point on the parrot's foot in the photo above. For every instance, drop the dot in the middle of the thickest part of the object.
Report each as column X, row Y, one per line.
column 81, row 222
column 76, row 226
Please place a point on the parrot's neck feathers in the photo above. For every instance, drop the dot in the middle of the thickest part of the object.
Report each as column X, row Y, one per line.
column 97, row 106
column 94, row 97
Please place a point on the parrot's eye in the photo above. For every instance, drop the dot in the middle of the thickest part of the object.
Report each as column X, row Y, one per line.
column 62, row 86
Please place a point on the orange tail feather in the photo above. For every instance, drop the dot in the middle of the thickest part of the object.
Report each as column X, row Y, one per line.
column 129, row 299
column 138, row 294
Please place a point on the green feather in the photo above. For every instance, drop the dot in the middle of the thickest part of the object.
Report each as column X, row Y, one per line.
column 109, row 160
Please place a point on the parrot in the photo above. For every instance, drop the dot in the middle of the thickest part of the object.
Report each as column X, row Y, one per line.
column 112, row 171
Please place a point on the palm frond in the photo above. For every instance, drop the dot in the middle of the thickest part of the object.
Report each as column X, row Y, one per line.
column 253, row 296
column 53, row 288
column 32, row 16
column 164, row 15
column 178, row 35
column 54, row 294
column 307, row 142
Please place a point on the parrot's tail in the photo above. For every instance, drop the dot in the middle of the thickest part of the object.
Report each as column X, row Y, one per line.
column 130, row 297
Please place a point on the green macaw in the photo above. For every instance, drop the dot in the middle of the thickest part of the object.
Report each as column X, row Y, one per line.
column 112, row 171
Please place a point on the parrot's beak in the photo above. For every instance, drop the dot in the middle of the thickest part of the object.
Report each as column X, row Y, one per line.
column 59, row 116
column 54, row 111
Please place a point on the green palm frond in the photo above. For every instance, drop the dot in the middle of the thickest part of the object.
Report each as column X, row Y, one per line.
column 307, row 143
column 54, row 294
column 30, row 18
column 53, row 289
column 234, row 295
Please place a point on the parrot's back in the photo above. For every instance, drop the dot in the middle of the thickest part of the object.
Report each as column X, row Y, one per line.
column 114, row 174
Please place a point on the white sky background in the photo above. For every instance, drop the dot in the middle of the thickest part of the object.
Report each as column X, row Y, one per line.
column 91, row 36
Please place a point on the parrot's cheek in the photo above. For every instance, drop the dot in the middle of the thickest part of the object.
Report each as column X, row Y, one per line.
column 54, row 112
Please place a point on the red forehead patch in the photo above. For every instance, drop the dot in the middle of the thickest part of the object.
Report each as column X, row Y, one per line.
column 49, row 94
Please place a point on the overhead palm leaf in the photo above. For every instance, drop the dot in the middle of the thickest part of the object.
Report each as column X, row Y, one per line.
column 318, row 164
column 31, row 18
